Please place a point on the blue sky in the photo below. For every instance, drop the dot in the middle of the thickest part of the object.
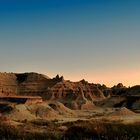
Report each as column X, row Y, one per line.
column 98, row 40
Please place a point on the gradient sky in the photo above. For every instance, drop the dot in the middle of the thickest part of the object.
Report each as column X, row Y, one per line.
column 98, row 40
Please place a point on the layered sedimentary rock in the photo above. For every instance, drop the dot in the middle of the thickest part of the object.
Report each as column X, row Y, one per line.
column 76, row 95
column 8, row 83
column 21, row 99
column 38, row 84
column 31, row 84
column 22, row 84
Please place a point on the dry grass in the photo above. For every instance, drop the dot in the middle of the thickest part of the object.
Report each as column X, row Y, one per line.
column 101, row 130
column 81, row 129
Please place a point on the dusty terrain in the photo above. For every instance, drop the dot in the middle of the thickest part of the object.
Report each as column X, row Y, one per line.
column 35, row 104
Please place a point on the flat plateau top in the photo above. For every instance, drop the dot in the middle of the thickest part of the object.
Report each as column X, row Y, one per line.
column 23, row 97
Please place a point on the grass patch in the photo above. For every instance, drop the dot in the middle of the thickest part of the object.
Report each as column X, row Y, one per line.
column 83, row 130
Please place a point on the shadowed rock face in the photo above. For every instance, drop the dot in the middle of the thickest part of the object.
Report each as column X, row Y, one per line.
column 135, row 90
column 31, row 84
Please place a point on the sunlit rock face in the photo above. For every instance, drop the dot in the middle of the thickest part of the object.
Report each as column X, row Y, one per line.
column 8, row 84
column 24, row 84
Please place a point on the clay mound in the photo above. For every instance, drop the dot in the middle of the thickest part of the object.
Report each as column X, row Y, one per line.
column 34, row 111
column 60, row 108
column 123, row 112
column 43, row 110
column 88, row 106
column 20, row 112
column 83, row 102
column 83, row 105
column 73, row 105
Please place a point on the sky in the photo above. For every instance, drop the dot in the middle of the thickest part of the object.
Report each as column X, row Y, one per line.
column 95, row 40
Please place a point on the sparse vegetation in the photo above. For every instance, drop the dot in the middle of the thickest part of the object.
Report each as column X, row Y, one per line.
column 99, row 130
column 83, row 130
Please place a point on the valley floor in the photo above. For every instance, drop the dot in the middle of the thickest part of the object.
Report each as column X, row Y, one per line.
column 97, row 124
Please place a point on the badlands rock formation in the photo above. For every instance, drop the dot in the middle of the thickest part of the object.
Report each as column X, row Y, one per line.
column 75, row 95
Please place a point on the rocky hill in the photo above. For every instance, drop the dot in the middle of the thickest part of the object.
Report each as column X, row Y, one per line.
column 75, row 95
